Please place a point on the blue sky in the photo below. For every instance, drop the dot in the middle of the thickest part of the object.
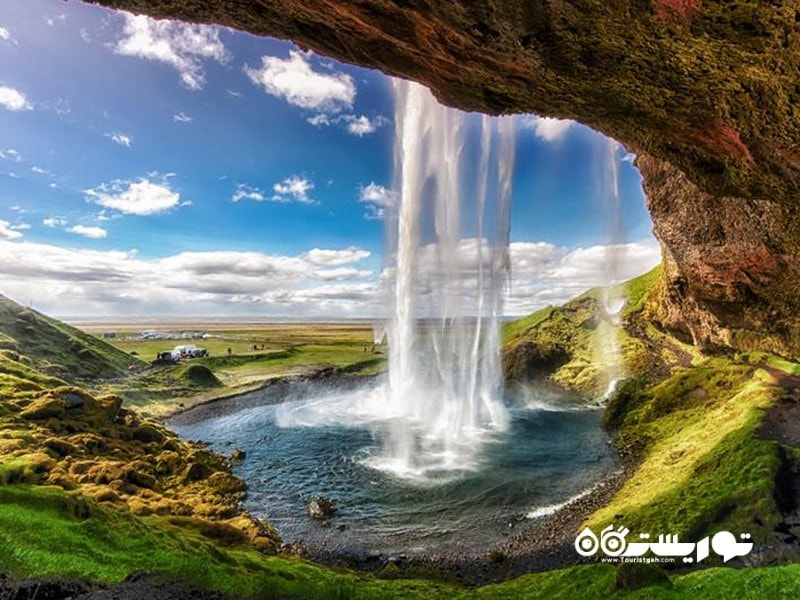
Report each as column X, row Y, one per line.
column 160, row 168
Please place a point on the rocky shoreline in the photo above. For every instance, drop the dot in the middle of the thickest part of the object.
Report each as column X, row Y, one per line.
column 542, row 545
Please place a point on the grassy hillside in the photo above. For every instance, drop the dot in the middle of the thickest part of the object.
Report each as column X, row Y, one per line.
column 692, row 422
column 55, row 349
column 561, row 344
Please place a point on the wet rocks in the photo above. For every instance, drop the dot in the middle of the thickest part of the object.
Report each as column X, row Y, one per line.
column 320, row 508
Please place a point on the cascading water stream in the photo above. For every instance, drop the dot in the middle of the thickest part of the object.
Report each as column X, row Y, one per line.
column 447, row 289
column 612, row 300
column 447, row 273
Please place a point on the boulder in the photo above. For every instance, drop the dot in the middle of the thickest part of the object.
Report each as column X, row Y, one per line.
column 320, row 508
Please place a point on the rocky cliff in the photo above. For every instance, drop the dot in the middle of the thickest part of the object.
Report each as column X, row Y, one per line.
column 707, row 92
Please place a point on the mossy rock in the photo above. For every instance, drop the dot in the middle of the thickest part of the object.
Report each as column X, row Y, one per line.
column 198, row 375
column 46, row 407
column 148, row 433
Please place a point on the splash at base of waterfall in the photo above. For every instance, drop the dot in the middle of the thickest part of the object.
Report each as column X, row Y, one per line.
column 439, row 450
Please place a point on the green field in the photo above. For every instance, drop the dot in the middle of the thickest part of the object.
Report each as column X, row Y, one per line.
column 242, row 357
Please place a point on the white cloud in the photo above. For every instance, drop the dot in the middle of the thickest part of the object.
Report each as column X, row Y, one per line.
column 377, row 194
column 54, row 222
column 14, row 100
column 10, row 154
column 377, row 199
column 142, row 197
column 363, row 125
column 120, row 138
column 58, row 19
column 294, row 188
column 545, row 274
column 5, row 36
column 7, row 231
column 94, row 233
column 335, row 258
column 547, row 128
column 184, row 47
column 246, row 192
column 355, row 125
column 182, row 118
column 89, row 282
column 320, row 120
column 294, row 80
column 39, row 170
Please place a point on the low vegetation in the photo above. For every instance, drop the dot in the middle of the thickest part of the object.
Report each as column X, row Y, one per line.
column 691, row 422
column 109, row 492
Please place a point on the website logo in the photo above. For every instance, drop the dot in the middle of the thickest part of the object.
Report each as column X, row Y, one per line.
column 613, row 544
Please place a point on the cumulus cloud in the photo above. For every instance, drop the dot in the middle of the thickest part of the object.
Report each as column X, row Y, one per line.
column 83, row 281
column 5, row 36
column 363, row 125
column 543, row 273
column 547, row 128
column 293, row 79
column 294, row 188
column 120, row 138
column 54, row 222
column 378, row 199
column 182, row 46
column 10, row 154
column 335, row 258
column 94, row 233
column 8, row 231
column 39, row 170
column 142, row 197
column 247, row 192
column 14, row 100
column 356, row 125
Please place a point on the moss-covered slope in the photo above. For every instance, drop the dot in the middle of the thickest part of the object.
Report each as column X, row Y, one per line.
column 55, row 349
column 692, row 421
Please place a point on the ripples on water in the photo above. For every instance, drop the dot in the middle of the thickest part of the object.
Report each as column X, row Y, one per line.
column 321, row 444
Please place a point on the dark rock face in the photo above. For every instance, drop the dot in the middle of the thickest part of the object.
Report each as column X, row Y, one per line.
column 711, row 88
column 732, row 265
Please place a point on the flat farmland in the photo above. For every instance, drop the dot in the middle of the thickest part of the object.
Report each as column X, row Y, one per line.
column 242, row 356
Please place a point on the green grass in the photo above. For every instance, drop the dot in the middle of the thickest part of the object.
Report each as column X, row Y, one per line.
column 45, row 532
column 42, row 533
column 512, row 328
column 56, row 349
column 637, row 290
column 703, row 466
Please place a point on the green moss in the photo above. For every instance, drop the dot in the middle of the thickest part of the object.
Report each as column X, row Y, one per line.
column 56, row 349
column 513, row 328
column 702, row 465
column 637, row 290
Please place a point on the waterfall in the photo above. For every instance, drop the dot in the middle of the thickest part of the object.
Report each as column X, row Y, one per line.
column 448, row 274
column 611, row 299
